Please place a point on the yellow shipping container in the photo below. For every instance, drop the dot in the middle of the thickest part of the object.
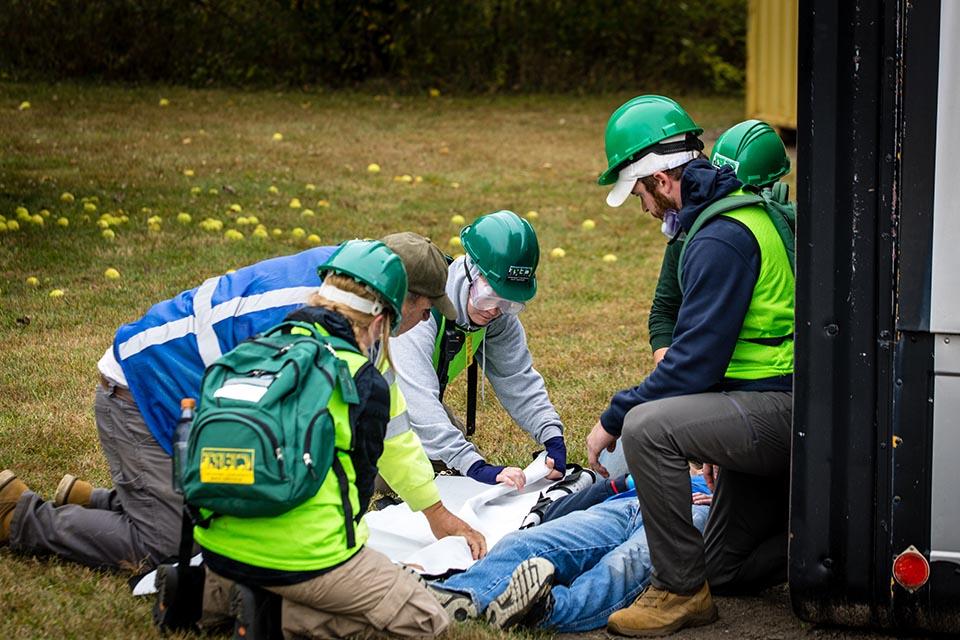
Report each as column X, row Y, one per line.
column 772, row 62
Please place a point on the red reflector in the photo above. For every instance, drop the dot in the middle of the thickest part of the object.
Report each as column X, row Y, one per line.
column 911, row 569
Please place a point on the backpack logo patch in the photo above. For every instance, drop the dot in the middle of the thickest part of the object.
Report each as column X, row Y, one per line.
column 519, row 274
column 226, row 466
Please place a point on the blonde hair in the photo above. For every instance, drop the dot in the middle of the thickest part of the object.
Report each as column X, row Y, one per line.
column 359, row 321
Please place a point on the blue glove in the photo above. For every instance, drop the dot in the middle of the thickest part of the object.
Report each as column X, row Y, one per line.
column 483, row 472
column 557, row 450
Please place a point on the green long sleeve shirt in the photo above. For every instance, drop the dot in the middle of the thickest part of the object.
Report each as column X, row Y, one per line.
column 666, row 299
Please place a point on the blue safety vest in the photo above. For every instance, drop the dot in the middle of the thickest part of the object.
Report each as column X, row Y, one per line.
column 164, row 354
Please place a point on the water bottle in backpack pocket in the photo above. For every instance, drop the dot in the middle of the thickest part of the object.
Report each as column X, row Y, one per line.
column 263, row 438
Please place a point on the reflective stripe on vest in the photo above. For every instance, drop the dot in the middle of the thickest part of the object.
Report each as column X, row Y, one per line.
column 399, row 417
column 314, row 535
column 765, row 345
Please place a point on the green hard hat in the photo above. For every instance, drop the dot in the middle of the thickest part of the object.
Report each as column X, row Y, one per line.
column 505, row 249
column 641, row 123
column 755, row 152
column 372, row 263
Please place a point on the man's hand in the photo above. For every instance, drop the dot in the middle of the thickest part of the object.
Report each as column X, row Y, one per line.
column 710, row 474
column 443, row 524
column 659, row 354
column 513, row 477
column 702, row 498
column 597, row 441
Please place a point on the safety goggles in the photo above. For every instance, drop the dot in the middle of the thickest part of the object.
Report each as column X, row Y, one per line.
column 484, row 298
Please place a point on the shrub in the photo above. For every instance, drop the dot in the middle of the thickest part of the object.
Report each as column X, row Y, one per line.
column 473, row 45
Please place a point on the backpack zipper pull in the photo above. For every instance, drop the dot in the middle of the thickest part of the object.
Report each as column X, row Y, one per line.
column 308, row 460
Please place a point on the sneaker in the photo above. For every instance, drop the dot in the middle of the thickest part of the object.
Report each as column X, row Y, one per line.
column 72, row 490
column 11, row 488
column 459, row 606
column 658, row 612
column 256, row 613
column 529, row 585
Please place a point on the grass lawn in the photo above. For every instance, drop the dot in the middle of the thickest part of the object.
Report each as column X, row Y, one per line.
column 206, row 151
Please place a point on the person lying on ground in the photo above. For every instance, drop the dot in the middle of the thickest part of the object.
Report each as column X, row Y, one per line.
column 569, row 573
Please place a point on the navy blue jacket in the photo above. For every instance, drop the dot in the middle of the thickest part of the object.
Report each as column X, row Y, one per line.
column 720, row 270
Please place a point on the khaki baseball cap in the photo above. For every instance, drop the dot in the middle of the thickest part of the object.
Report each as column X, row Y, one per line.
column 426, row 269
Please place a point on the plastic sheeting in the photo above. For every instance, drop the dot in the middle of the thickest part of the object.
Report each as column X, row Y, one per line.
column 404, row 536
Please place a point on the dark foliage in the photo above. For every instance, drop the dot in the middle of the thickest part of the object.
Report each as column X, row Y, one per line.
column 473, row 45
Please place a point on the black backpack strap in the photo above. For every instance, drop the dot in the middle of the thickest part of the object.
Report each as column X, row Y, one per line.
column 186, row 537
column 769, row 342
column 451, row 341
column 472, row 378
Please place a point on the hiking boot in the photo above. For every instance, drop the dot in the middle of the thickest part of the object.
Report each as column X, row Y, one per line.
column 11, row 488
column 529, row 586
column 73, row 490
column 658, row 612
column 256, row 613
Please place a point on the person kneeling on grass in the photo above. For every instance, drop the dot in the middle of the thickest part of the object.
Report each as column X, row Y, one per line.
column 159, row 359
column 567, row 574
column 313, row 555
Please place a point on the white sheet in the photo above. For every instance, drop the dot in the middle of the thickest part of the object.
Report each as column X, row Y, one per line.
column 404, row 536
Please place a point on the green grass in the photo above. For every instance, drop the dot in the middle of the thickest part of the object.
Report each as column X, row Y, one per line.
column 587, row 326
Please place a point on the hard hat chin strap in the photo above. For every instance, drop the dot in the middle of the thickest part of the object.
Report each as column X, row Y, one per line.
column 352, row 300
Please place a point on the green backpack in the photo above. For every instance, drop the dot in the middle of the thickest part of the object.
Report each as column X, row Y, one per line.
column 262, row 440
column 774, row 201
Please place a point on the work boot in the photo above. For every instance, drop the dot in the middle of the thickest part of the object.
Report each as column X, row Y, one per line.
column 658, row 612
column 256, row 613
column 529, row 586
column 11, row 488
column 179, row 600
column 73, row 490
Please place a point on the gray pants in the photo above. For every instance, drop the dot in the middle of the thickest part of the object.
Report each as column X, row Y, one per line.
column 133, row 526
column 748, row 435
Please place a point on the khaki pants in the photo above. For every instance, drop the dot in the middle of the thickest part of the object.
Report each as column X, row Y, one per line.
column 368, row 596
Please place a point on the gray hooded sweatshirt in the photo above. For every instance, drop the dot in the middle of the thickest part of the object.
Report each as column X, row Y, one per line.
column 507, row 364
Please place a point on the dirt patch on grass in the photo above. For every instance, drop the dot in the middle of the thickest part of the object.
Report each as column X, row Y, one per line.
column 767, row 616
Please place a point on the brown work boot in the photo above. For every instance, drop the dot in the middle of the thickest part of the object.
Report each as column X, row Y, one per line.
column 11, row 488
column 659, row 613
column 73, row 490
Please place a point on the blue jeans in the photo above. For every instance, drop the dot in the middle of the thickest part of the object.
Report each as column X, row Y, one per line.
column 601, row 558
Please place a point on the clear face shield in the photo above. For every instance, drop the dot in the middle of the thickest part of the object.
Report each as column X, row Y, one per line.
column 484, row 298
